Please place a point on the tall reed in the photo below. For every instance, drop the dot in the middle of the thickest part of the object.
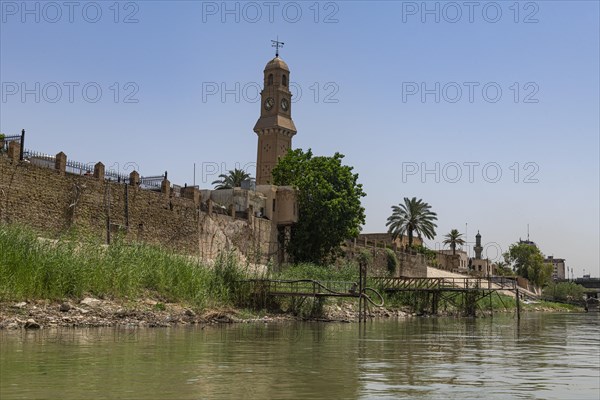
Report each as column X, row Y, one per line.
column 33, row 268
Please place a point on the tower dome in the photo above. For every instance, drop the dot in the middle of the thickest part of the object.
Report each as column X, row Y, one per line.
column 277, row 63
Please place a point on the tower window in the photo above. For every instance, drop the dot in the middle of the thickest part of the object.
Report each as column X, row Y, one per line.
column 270, row 80
column 284, row 80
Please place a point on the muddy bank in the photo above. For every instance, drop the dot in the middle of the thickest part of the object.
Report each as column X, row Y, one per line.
column 93, row 312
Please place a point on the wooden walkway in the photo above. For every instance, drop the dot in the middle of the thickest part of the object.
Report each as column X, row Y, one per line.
column 464, row 293
column 406, row 284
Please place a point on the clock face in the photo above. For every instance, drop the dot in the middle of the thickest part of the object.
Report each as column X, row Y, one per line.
column 285, row 104
column 269, row 103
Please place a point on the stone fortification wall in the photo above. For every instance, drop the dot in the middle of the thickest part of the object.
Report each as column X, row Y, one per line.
column 54, row 202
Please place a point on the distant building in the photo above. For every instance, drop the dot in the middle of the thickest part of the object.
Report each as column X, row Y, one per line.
column 458, row 262
column 558, row 265
column 529, row 242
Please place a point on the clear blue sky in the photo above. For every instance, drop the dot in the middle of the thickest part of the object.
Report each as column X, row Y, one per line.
column 374, row 58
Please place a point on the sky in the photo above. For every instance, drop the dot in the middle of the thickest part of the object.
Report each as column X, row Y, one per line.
column 488, row 111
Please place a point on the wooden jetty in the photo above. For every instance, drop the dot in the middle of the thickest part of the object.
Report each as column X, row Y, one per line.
column 463, row 293
column 260, row 290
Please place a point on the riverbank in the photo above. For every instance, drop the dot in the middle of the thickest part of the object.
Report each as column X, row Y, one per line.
column 147, row 312
column 77, row 282
column 94, row 312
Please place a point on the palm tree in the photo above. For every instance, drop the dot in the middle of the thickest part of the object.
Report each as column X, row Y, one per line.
column 453, row 238
column 232, row 179
column 412, row 216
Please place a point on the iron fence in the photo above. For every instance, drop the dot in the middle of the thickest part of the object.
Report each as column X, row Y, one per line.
column 7, row 139
column 79, row 168
column 87, row 169
column 39, row 159
column 114, row 176
column 151, row 182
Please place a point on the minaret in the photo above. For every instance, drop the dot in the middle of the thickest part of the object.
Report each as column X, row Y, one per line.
column 275, row 127
column 478, row 249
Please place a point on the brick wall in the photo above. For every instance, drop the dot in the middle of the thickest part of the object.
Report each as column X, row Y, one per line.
column 52, row 203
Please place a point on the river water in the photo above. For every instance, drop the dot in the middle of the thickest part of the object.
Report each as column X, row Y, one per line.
column 545, row 356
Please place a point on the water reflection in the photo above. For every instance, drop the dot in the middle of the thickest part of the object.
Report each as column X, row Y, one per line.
column 545, row 356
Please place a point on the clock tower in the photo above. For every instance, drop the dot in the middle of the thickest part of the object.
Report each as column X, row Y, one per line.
column 275, row 127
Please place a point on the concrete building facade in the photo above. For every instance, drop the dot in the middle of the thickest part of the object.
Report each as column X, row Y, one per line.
column 558, row 267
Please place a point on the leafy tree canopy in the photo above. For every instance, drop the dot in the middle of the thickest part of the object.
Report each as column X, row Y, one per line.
column 528, row 262
column 503, row 269
column 329, row 204
column 563, row 291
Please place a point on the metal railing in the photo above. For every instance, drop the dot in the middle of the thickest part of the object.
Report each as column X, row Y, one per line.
column 303, row 287
column 79, row 168
column 151, row 182
column 409, row 284
column 87, row 169
column 114, row 176
column 39, row 159
column 7, row 140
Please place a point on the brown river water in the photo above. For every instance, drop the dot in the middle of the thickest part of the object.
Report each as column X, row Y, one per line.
column 545, row 356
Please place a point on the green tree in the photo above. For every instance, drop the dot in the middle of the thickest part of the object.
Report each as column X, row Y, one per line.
column 453, row 238
column 412, row 216
column 563, row 291
column 329, row 204
column 528, row 262
column 503, row 269
column 232, row 179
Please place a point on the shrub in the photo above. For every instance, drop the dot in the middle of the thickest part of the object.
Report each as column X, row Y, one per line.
column 364, row 257
column 391, row 262
column 563, row 291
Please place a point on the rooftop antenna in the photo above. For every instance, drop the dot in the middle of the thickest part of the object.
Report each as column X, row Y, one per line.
column 277, row 44
column 528, row 232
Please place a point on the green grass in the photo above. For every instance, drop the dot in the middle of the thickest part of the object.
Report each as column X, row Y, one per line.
column 31, row 268
column 346, row 272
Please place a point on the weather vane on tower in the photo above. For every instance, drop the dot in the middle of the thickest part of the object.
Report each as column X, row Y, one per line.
column 277, row 44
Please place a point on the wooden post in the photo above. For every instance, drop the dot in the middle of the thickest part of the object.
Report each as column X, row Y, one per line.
column 518, row 303
column 22, row 145
column 362, row 283
column 360, row 289
column 365, row 304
